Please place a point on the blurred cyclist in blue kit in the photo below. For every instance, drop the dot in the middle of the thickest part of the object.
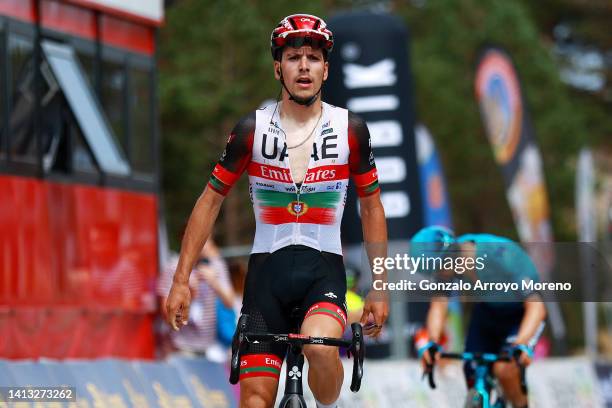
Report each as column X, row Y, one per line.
column 500, row 320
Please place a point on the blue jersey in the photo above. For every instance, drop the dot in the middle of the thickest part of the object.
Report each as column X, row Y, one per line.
column 504, row 261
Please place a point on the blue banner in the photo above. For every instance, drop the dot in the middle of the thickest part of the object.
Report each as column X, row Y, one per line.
column 208, row 381
column 181, row 382
column 436, row 208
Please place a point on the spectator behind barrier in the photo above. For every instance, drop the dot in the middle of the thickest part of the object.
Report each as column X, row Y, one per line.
column 210, row 287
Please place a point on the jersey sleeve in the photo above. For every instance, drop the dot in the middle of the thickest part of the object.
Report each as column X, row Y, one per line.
column 361, row 157
column 236, row 156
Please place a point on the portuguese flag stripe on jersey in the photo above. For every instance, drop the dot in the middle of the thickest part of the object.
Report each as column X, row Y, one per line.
column 222, row 180
column 278, row 215
column 325, row 199
column 366, row 183
column 313, row 208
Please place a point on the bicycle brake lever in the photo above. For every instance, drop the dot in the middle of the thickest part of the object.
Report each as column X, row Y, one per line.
column 522, row 369
column 429, row 369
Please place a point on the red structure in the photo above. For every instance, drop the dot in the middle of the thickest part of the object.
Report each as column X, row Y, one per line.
column 79, row 180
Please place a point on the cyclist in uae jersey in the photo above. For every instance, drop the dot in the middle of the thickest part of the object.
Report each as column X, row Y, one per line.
column 299, row 154
column 512, row 320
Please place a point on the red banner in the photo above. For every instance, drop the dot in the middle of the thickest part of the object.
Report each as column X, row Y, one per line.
column 78, row 267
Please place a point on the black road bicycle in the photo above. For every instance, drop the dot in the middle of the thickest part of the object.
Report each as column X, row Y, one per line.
column 293, row 396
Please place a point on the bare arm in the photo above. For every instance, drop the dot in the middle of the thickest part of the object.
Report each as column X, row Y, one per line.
column 364, row 173
column 231, row 165
column 374, row 227
column 535, row 313
column 375, row 238
column 199, row 227
column 436, row 318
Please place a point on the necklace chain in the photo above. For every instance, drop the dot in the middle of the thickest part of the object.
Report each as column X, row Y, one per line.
column 309, row 134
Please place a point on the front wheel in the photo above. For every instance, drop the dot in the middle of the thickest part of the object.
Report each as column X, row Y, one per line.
column 292, row 401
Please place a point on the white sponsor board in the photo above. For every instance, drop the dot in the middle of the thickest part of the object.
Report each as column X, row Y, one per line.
column 558, row 383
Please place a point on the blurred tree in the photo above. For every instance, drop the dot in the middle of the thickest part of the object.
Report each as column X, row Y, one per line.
column 446, row 38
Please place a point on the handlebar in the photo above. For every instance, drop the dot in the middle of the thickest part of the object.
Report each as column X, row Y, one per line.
column 480, row 358
column 355, row 347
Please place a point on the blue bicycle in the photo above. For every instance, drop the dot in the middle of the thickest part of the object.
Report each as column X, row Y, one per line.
column 485, row 393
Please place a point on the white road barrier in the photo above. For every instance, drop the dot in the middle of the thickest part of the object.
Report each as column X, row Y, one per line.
column 558, row 383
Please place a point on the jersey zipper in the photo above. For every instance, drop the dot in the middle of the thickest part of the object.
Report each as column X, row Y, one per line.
column 298, row 191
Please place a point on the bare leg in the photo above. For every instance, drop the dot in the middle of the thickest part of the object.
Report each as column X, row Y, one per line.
column 325, row 371
column 508, row 375
column 258, row 392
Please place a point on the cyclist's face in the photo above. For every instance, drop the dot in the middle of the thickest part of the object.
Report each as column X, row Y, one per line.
column 468, row 249
column 303, row 69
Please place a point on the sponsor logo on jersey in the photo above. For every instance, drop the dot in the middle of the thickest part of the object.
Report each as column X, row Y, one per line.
column 315, row 176
column 269, row 172
column 273, row 362
column 327, row 173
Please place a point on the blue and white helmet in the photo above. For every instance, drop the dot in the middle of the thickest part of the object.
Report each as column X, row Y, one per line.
column 432, row 241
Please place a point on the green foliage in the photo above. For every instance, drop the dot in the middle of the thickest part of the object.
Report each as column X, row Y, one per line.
column 446, row 38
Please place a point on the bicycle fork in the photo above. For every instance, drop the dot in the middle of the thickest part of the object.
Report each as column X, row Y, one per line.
column 293, row 397
column 481, row 387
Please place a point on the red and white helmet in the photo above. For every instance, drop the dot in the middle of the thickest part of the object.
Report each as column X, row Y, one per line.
column 297, row 30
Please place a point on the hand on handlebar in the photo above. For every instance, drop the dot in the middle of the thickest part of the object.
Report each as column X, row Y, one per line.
column 522, row 353
column 429, row 354
column 376, row 309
